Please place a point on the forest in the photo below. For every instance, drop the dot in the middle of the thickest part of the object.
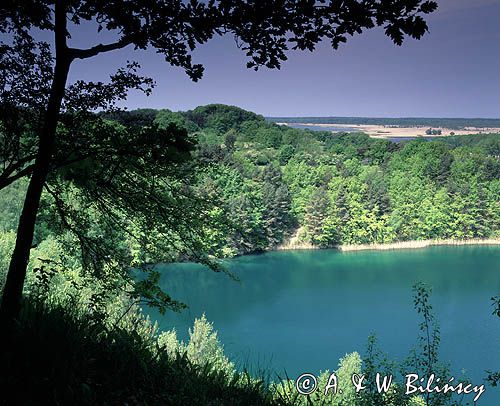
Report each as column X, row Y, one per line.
column 273, row 182
column 95, row 199
column 247, row 185
column 263, row 182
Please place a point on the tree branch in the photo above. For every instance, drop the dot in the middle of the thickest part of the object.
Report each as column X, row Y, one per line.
column 90, row 52
column 16, row 166
column 6, row 181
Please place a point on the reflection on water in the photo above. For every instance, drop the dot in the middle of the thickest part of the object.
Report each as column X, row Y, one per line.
column 302, row 310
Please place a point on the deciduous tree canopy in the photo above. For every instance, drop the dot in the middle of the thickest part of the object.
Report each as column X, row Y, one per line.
column 31, row 109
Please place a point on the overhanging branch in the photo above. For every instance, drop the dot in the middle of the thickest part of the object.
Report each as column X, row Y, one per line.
column 6, row 181
column 90, row 52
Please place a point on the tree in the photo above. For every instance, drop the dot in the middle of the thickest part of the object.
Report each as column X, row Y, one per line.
column 276, row 201
column 322, row 224
column 263, row 29
column 230, row 140
column 285, row 154
column 220, row 118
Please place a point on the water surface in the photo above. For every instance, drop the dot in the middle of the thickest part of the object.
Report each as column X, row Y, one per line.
column 300, row 311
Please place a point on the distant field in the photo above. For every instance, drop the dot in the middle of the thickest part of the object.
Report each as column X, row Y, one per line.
column 450, row 123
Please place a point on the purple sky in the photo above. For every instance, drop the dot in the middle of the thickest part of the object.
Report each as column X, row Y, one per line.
column 454, row 71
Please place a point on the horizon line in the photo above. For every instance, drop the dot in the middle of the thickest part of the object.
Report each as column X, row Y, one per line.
column 389, row 117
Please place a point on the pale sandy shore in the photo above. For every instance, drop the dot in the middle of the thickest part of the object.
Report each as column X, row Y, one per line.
column 417, row 244
column 381, row 131
column 391, row 246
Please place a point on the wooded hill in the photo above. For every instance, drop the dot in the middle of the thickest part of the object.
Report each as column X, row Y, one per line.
column 271, row 180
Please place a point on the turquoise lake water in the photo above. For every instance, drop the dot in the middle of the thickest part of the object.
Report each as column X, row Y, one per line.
column 300, row 311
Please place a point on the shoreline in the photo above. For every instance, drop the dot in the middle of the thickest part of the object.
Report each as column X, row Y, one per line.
column 384, row 131
column 415, row 244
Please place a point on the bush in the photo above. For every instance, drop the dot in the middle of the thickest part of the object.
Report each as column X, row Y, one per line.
column 57, row 355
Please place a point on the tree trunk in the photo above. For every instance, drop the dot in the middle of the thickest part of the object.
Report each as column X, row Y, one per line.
column 12, row 294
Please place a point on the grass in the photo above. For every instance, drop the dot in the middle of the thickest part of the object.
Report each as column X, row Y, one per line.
column 56, row 356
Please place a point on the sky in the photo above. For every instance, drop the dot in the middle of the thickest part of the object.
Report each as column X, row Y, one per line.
column 454, row 71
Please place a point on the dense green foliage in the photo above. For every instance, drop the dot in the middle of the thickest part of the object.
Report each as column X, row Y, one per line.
column 274, row 182
column 252, row 185
column 110, row 193
column 247, row 185
column 60, row 355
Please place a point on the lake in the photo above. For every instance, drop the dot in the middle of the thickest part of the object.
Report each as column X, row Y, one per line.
column 300, row 311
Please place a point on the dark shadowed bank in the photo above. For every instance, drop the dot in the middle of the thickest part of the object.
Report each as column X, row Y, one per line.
column 59, row 357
